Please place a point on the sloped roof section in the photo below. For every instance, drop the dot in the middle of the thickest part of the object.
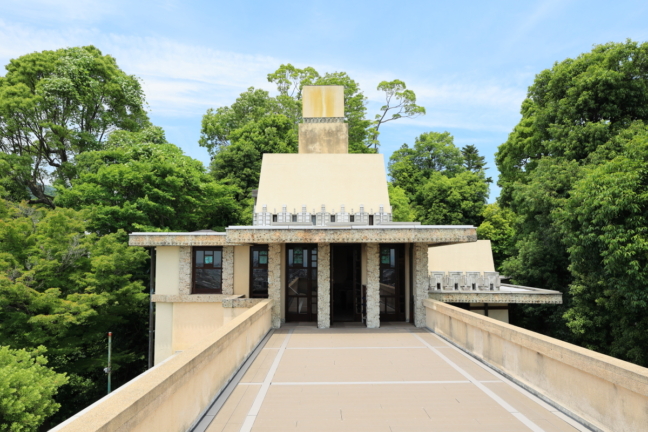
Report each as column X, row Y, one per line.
column 314, row 180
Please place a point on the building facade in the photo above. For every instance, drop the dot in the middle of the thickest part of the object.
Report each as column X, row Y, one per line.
column 323, row 246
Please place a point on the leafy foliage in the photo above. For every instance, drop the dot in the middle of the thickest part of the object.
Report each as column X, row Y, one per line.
column 55, row 105
column 433, row 175
column 142, row 183
column 27, row 388
column 64, row 288
column 578, row 119
column 402, row 211
column 498, row 227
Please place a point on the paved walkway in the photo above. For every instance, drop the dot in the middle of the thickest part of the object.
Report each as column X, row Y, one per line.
column 397, row 378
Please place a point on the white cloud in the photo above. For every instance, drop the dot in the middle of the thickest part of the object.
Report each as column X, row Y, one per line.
column 184, row 80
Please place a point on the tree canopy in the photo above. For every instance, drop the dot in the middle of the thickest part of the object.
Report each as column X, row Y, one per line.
column 27, row 388
column 55, row 105
column 561, row 175
column 139, row 182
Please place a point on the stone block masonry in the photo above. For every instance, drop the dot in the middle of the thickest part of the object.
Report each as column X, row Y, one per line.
column 228, row 270
column 421, row 282
column 373, row 286
column 324, row 285
column 274, row 282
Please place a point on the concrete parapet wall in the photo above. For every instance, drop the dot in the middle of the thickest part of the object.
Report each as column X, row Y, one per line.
column 603, row 392
column 172, row 395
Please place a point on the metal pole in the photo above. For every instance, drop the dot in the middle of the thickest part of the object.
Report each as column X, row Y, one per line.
column 109, row 369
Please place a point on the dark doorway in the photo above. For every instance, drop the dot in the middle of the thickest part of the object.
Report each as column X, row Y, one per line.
column 346, row 288
column 301, row 283
column 392, row 282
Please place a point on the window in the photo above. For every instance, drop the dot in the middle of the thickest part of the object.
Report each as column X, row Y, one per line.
column 370, row 219
column 352, row 218
column 314, row 220
column 332, row 218
column 207, row 270
column 274, row 218
column 294, row 218
column 259, row 271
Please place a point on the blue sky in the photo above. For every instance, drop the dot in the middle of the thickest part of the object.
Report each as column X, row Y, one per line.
column 469, row 62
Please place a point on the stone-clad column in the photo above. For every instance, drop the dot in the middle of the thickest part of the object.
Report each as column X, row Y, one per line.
column 274, row 282
column 228, row 270
column 323, row 285
column 373, row 286
column 421, row 282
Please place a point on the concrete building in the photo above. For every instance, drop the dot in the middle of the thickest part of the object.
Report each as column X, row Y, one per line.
column 325, row 315
column 324, row 247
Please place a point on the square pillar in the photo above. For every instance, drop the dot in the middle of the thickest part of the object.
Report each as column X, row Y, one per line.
column 373, row 285
column 274, row 282
column 421, row 282
column 228, row 270
column 323, row 285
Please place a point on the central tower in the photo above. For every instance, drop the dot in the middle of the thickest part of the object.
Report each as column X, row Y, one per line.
column 323, row 129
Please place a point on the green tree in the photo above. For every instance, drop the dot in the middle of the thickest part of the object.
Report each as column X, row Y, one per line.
column 27, row 389
column 399, row 103
column 605, row 229
column 433, row 152
column 142, row 183
column 572, row 119
column 473, row 161
column 457, row 200
column 65, row 288
column 498, row 227
column 55, row 105
column 401, row 209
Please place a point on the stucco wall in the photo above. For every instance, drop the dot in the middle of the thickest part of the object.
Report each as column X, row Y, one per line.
column 167, row 270
column 606, row 393
column 171, row 396
column 242, row 270
column 474, row 256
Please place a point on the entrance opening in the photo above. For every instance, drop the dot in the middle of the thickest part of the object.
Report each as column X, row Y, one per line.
column 346, row 288
column 301, row 283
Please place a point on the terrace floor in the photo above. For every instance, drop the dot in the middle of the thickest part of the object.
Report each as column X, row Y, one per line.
column 396, row 378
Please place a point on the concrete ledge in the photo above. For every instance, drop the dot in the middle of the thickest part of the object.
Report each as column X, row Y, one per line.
column 494, row 297
column 178, row 239
column 172, row 395
column 192, row 298
column 604, row 392
column 239, row 302
column 374, row 234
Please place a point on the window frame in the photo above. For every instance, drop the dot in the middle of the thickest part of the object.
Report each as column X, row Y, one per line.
column 261, row 247
column 193, row 269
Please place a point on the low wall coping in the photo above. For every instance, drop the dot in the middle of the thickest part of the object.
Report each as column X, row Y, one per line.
column 628, row 375
column 115, row 410
column 193, row 298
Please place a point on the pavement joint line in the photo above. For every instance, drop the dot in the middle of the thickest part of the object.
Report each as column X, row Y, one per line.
column 360, row 382
column 521, row 417
column 212, row 410
column 340, row 348
column 562, row 416
column 263, row 391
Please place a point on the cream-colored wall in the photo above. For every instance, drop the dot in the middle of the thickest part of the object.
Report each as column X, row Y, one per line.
column 473, row 256
column 242, row 270
column 171, row 396
column 498, row 314
column 318, row 138
column 314, row 180
column 607, row 393
column 323, row 101
column 163, row 332
column 167, row 270
column 192, row 322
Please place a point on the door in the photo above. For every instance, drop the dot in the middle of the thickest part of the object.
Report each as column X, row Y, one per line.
column 301, row 283
column 392, row 282
column 346, row 288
